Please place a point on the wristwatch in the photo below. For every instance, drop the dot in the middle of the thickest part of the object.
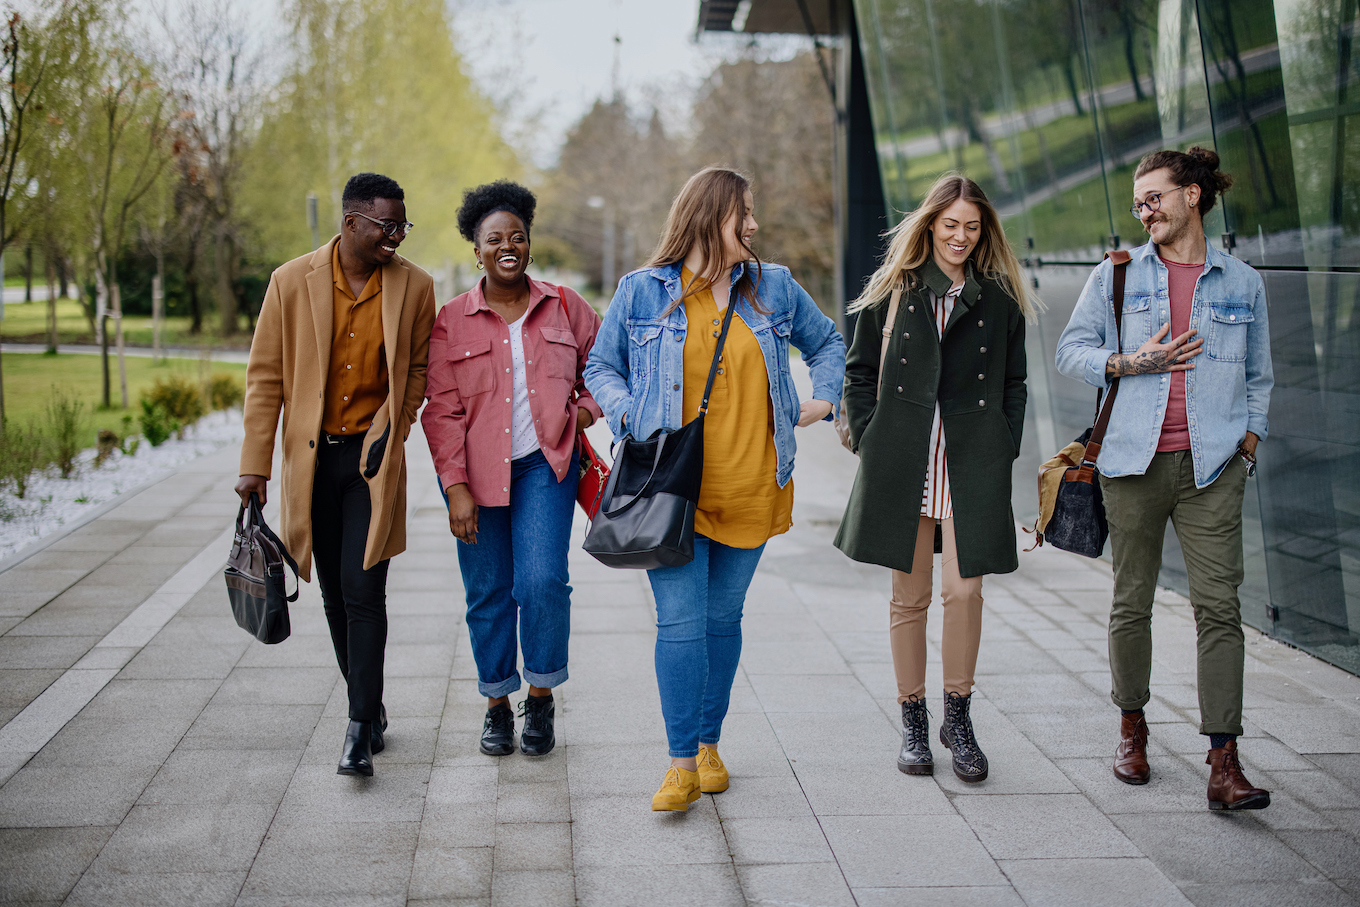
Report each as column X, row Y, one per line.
column 1248, row 461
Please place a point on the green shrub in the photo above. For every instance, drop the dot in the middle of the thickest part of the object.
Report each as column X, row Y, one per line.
column 179, row 397
column 23, row 451
column 157, row 423
column 65, row 419
column 225, row 391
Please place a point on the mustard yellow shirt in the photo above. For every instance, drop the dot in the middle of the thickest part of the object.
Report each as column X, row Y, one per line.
column 740, row 503
column 356, row 384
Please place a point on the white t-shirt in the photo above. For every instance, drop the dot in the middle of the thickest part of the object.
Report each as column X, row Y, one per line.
column 523, row 437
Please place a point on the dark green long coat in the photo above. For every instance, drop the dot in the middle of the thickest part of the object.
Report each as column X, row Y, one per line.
column 977, row 373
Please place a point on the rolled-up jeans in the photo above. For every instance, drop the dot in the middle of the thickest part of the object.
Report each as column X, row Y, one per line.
column 698, row 640
column 517, row 574
column 1208, row 523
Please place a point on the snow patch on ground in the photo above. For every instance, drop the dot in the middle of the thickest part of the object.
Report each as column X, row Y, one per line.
column 52, row 502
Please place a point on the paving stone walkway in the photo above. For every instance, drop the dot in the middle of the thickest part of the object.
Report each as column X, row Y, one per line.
column 151, row 753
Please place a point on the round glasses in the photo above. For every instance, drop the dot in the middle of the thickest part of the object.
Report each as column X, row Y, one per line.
column 1153, row 203
column 388, row 227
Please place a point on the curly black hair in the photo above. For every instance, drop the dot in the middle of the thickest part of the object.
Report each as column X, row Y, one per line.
column 502, row 195
column 363, row 188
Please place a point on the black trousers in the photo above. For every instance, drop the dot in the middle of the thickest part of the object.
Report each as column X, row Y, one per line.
column 355, row 598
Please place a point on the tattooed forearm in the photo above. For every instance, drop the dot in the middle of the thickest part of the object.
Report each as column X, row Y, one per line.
column 1145, row 363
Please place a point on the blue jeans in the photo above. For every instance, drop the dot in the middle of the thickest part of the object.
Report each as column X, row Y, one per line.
column 698, row 639
column 518, row 568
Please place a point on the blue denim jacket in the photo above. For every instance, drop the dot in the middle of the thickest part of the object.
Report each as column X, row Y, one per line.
column 1227, row 393
column 637, row 365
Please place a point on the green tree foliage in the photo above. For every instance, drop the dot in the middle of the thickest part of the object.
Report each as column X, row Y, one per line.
column 372, row 86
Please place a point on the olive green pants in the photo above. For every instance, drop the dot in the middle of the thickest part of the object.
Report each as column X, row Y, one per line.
column 1208, row 523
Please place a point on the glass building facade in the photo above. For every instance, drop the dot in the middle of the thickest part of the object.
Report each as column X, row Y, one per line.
column 1049, row 104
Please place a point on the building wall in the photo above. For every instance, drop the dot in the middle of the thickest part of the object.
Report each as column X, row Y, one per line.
column 1049, row 104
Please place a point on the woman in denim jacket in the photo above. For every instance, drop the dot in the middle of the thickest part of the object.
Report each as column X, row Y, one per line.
column 647, row 371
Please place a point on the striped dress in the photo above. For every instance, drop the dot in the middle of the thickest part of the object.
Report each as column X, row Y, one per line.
column 935, row 500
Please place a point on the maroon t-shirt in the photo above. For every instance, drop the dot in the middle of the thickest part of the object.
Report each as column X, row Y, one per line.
column 1180, row 286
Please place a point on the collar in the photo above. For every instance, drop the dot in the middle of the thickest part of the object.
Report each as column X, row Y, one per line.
column 538, row 290
column 938, row 283
column 671, row 272
column 371, row 289
column 1213, row 258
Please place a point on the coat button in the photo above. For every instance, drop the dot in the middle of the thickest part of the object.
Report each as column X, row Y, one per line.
column 911, row 308
column 716, row 321
column 311, row 443
column 715, row 334
column 982, row 349
column 899, row 388
column 979, row 322
column 903, row 361
column 680, row 338
column 675, row 387
column 906, row 336
column 980, row 376
column 982, row 403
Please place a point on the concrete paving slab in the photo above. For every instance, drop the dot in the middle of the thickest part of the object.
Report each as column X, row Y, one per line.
column 1092, row 883
column 44, row 864
column 778, row 884
column 668, row 885
column 545, row 887
column 782, row 840
column 187, row 838
column 355, row 861
column 943, row 851
column 442, row 871
column 1205, row 847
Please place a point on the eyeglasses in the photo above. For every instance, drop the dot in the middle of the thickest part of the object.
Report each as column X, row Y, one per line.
column 389, row 227
column 1153, row 203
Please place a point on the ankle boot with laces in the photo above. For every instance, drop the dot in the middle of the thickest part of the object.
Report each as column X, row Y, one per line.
column 1228, row 786
column 915, row 758
column 956, row 732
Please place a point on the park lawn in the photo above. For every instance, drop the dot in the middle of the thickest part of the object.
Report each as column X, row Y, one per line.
column 26, row 322
column 30, row 377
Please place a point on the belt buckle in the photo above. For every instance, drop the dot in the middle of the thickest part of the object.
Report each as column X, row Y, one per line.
column 333, row 439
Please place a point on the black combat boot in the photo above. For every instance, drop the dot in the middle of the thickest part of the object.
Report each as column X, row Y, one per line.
column 957, row 733
column 915, row 758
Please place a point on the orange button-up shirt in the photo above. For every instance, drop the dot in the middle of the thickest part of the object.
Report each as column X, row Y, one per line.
column 356, row 384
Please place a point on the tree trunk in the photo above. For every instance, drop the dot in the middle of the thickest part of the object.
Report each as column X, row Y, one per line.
column 28, row 272
column 1071, row 73
column 224, row 252
column 101, row 291
column 118, row 327
column 51, row 304
column 63, row 275
column 2, row 370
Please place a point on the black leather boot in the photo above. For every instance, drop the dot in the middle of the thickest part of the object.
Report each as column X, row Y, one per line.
column 956, row 732
column 498, row 731
column 379, row 728
column 357, row 756
column 536, row 738
column 915, row 758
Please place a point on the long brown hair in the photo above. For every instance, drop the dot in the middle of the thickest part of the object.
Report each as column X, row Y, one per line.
column 910, row 246
column 707, row 199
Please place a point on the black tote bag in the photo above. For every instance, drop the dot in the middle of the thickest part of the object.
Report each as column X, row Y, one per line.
column 646, row 516
column 256, row 581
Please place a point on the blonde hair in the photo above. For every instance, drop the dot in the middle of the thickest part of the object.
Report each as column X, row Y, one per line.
column 703, row 204
column 909, row 248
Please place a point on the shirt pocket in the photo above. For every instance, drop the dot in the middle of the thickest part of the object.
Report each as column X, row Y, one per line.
column 559, row 353
column 473, row 368
column 1137, row 325
column 1227, row 341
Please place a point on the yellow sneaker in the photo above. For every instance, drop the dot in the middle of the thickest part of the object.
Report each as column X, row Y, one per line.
column 678, row 791
column 713, row 777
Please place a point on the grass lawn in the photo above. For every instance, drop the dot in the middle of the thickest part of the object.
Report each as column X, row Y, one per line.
column 26, row 322
column 29, row 378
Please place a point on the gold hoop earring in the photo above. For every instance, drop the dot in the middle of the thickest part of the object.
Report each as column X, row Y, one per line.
column 480, row 266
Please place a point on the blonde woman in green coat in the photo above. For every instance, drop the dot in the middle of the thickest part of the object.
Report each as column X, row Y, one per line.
column 936, row 434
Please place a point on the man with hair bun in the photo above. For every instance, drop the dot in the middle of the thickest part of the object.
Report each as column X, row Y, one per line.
column 340, row 347
column 1181, row 444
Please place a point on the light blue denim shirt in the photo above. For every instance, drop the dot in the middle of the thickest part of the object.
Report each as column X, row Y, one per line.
column 637, row 365
column 1227, row 393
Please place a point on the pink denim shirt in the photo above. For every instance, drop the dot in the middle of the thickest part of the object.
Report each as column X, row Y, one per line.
column 470, row 387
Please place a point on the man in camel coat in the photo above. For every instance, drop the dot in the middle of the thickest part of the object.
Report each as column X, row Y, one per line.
column 341, row 347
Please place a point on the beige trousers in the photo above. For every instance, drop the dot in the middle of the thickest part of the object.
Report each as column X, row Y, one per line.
column 911, row 594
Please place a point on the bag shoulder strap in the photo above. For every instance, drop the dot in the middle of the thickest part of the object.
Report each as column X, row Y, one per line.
column 717, row 353
column 1120, row 259
column 888, row 328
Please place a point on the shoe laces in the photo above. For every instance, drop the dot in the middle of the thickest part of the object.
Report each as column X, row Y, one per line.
column 500, row 719
column 709, row 757
column 918, row 719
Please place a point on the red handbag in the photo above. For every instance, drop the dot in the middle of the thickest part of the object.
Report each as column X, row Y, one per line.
column 594, row 474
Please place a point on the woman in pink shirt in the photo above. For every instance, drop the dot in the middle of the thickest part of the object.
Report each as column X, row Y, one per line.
column 506, row 401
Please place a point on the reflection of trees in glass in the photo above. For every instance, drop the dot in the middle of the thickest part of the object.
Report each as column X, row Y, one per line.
column 1220, row 32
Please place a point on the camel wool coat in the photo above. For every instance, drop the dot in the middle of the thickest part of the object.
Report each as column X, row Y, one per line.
column 289, row 362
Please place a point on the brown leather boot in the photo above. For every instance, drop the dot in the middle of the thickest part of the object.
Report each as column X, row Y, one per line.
column 1130, row 758
column 1228, row 787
